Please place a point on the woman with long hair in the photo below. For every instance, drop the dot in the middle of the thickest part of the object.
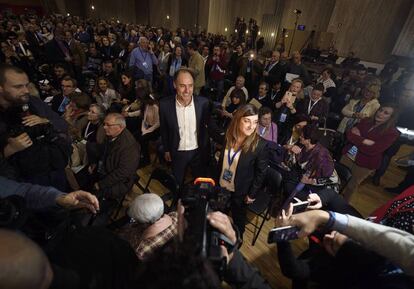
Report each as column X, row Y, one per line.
column 127, row 88
column 243, row 163
column 175, row 61
column 367, row 142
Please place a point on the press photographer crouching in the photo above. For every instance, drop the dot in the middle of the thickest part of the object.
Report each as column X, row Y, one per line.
column 205, row 250
column 32, row 137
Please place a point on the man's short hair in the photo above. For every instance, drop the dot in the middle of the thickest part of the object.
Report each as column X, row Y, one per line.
column 146, row 208
column 6, row 67
column 264, row 110
column 183, row 70
column 191, row 45
column 68, row 78
column 119, row 118
column 81, row 100
column 319, row 86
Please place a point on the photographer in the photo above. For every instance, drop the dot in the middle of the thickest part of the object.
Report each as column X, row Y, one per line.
column 177, row 266
column 32, row 137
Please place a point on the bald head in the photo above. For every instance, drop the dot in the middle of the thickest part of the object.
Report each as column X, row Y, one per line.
column 22, row 263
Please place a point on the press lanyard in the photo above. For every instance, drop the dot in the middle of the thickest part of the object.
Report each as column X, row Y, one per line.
column 87, row 134
column 231, row 158
column 264, row 131
column 142, row 54
column 310, row 107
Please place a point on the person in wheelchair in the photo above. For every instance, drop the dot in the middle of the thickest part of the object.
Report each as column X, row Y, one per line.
column 149, row 228
column 313, row 165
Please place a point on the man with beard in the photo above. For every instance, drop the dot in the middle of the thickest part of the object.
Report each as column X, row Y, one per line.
column 32, row 137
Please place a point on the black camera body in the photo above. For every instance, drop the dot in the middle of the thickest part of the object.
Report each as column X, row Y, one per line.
column 200, row 199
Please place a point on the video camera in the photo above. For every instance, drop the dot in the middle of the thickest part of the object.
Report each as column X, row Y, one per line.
column 200, row 199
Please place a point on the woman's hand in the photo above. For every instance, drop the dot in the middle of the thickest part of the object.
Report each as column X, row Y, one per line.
column 315, row 202
column 355, row 131
column 307, row 180
column 296, row 150
column 368, row 142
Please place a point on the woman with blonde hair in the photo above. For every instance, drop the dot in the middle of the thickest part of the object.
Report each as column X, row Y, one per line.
column 358, row 109
column 243, row 163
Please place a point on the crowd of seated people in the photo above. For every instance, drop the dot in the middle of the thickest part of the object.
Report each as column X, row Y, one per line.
column 83, row 101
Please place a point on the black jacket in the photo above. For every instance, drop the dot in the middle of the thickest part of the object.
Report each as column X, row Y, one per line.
column 169, row 125
column 120, row 162
column 251, row 170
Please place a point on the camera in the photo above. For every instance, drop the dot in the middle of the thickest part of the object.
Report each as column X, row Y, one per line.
column 199, row 199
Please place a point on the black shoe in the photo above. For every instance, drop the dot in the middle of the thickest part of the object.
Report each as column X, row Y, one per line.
column 393, row 190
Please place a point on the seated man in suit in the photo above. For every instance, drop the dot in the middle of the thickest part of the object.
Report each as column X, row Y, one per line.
column 315, row 106
column 116, row 160
column 60, row 101
column 274, row 71
column 183, row 122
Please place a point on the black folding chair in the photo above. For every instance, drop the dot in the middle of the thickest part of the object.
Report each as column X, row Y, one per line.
column 168, row 181
column 262, row 206
column 344, row 174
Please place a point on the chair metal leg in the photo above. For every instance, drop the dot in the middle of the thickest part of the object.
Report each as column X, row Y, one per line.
column 260, row 227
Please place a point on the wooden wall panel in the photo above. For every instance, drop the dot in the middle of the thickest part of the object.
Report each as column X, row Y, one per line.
column 369, row 27
column 315, row 14
column 405, row 43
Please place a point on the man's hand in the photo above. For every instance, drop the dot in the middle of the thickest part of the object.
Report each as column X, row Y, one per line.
column 222, row 223
column 167, row 157
column 17, row 144
column 333, row 241
column 314, row 117
column 79, row 199
column 248, row 200
column 33, row 120
column 355, row 131
column 285, row 217
column 265, row 73
column 368, row 142
column 309, row 221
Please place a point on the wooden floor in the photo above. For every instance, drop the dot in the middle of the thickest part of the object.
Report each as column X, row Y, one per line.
column 264, row 256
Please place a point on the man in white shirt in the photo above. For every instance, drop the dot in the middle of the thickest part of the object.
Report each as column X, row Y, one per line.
column 183, row 124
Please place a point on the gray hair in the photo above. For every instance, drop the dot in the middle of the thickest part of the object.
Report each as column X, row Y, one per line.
column 119, row 118
column 146, row 208
column 142, row 38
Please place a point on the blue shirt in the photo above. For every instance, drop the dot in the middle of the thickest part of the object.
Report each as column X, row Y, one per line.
column 143, row 60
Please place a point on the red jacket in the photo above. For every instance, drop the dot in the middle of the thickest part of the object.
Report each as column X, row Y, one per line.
column 370, row 157
column 217, row 69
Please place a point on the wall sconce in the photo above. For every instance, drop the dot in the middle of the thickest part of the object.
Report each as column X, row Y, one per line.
column 235, row 30
column 225, row 29
column 247, row 31
column 273, row 34
column 68, row 14
column 258, row 33
column 168, row 17
column 93, row 7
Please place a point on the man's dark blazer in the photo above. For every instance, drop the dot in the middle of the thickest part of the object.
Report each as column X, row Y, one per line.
column 320, row 109
column 251, row 170
column 277, row 72
column 169, row 125
column 53, row 52
column 120, row 164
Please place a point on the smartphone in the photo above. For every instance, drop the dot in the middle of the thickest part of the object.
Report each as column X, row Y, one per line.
column 282, row 234
column 299, row 207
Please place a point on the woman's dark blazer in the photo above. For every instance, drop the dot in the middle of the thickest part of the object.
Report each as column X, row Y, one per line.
column 251, row 170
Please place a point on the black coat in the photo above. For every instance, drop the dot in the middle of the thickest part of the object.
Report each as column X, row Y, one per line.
column 277, row 72
column 169, row 125
column 251, row 170
column 120, row 161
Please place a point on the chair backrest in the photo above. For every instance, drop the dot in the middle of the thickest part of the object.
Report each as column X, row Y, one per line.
column 276, row 180
column 166, row 179
column 344, row 174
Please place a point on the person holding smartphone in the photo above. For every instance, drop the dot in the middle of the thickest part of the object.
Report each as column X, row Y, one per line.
column 286, row 108
column 243, row 163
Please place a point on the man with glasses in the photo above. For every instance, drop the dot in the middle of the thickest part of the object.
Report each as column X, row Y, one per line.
column 115, row 162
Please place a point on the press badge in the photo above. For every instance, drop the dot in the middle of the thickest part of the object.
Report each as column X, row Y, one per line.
column 352, row 152
column 227, row 175
column 283, row 117
column 145, row 64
